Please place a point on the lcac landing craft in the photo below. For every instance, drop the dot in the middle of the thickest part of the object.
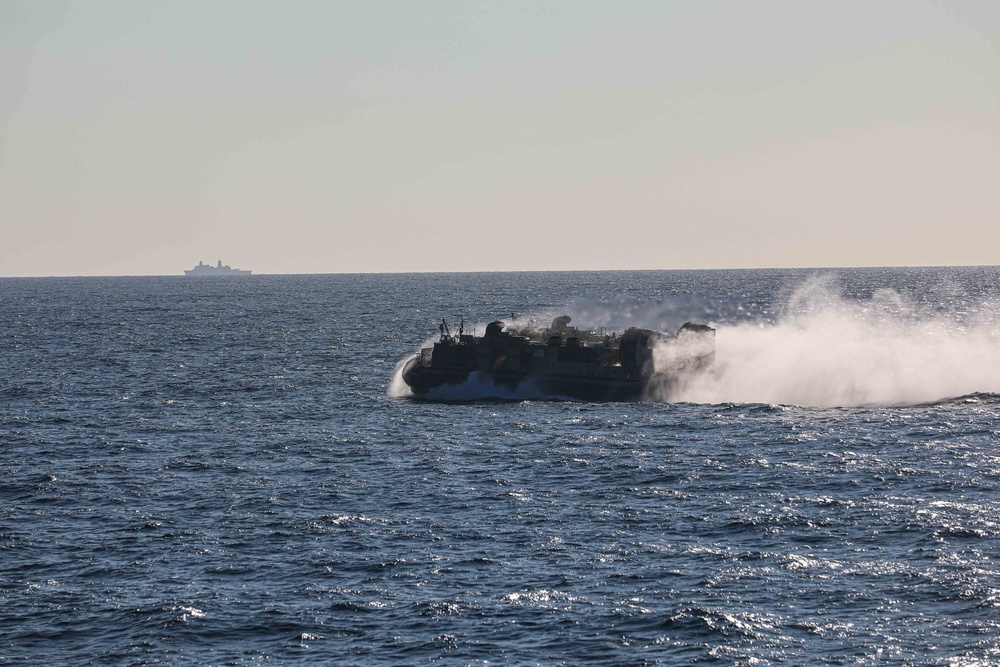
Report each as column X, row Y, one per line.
column 562, row 360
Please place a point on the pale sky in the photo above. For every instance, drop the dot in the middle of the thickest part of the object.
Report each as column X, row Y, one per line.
column 323, row 137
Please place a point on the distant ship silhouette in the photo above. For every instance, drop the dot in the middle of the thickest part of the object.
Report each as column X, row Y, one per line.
column 217, row 270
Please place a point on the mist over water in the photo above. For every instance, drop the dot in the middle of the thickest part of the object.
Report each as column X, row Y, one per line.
column 828, row 351
column 397, row 387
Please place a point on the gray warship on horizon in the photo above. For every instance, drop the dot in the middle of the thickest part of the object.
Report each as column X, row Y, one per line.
column 561, row 360
column 219, row 269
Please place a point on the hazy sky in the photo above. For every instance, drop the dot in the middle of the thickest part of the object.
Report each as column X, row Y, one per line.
column 315, row 137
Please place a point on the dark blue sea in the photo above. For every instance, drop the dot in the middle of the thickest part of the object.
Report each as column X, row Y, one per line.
column 228, row 472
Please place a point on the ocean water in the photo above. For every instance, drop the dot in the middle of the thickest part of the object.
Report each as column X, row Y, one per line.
column 228, row 472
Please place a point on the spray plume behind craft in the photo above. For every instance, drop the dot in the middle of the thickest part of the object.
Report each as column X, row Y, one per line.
column 826, row 351
column 820, row 350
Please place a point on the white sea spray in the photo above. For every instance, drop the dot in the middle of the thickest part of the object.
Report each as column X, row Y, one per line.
column 828, row 351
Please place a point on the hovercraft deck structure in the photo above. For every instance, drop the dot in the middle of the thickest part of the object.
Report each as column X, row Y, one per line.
column 561, row 360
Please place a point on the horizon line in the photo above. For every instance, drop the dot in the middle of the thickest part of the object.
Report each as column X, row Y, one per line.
column 460, row 271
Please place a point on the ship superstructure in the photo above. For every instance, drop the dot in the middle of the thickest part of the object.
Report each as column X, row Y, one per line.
column 219, row 269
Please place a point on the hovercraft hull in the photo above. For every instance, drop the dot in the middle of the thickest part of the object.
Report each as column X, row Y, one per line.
column 557, row 362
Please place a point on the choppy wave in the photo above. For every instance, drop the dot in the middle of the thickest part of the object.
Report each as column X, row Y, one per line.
column 223, row 479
